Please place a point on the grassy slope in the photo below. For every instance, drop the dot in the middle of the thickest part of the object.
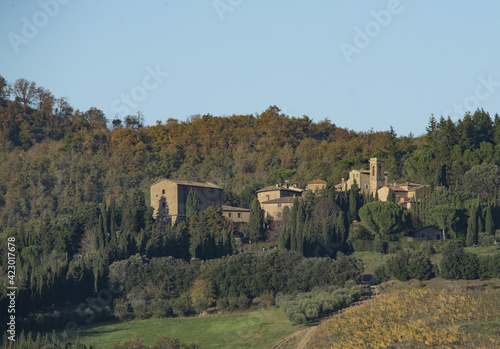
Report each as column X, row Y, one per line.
column 255, row 329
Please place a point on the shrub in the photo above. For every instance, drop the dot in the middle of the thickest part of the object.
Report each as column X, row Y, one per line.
column 409, row 264
column 469, row 266
column 299, row 318
column 494, row 265
column 486, row 239
column 180, row 306
column 122, row 309
column 427, row 248
column 243, row 302
column 379, row 246
column 161, row 308
column 200, row 305
column 451, row 261
column 380, row 274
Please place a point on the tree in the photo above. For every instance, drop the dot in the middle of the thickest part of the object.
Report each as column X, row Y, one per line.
column 390, row 196
column 26, row 91
column 191, row 205
column 386, row 220
column 482, row 180
column 353, row 201
column 472, row 227
column 443, row 216
column 451, row 261
column 256, row 223
column 489, row 224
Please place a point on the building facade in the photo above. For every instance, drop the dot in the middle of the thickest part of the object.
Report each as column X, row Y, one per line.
column 316, row 185
column 274, row 199
column 405, row 193
column 168, row 198
column 236, row 214
column 369, row 181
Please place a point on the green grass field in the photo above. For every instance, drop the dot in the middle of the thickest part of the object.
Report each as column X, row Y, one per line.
column 253, row 329
column 371, row 260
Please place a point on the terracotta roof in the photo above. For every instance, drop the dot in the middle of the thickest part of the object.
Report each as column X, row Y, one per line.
column 317, row 181
column 285, row 200
column 232, row 208
column 274, row 188
column 189, row 183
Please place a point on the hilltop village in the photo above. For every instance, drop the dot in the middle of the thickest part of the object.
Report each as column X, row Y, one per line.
column 169, row 196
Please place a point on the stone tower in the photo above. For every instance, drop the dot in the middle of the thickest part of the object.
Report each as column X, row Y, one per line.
column 377, row 174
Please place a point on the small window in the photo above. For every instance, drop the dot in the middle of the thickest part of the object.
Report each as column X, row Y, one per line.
column 438, row 237
column 279, row 205
column 239, row 215
column 229, row 214
column 366, row 186
column 163, row 191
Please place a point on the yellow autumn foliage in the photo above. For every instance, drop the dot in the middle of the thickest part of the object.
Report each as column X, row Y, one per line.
column 412, row 319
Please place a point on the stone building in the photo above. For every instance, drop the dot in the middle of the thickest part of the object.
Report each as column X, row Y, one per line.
column 316, row 185
column 273, row 199
column 236, row 214
column 369, row 181
column 168, row 198
column 426, row 233
column 273, row 209
column 405, row 193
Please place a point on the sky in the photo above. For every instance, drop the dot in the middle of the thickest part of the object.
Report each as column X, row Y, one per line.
column 360, row 64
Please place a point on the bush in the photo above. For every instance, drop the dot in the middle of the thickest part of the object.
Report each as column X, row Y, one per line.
column 409, row 264
column 161, row 308
column 122, row 309
column 451, row 261
column 139, row 307
column 243, row 302
column 299, row 318
column 222, row 303
column 486, row 239
column 379, row 246
column 380, row 274
column 469, row 266
column 427, row 248
column 180, row 306
column 200, row 305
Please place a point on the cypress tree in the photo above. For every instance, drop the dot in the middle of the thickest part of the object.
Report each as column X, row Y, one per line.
column 489, row 221
column 472, row 232
column 256, row 222
column 112, row 221
column 191, row 205
column 390, row 196
column 353, row 205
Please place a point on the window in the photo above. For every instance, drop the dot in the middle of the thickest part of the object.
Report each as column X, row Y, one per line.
column 438, row 237
column 229, row 214
column 373, row 170
column 239, row 215
column 163, row 191
column 279, row 205
column 366, row 186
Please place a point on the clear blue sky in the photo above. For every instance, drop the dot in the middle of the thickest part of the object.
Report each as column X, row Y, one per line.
column 229, row 57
